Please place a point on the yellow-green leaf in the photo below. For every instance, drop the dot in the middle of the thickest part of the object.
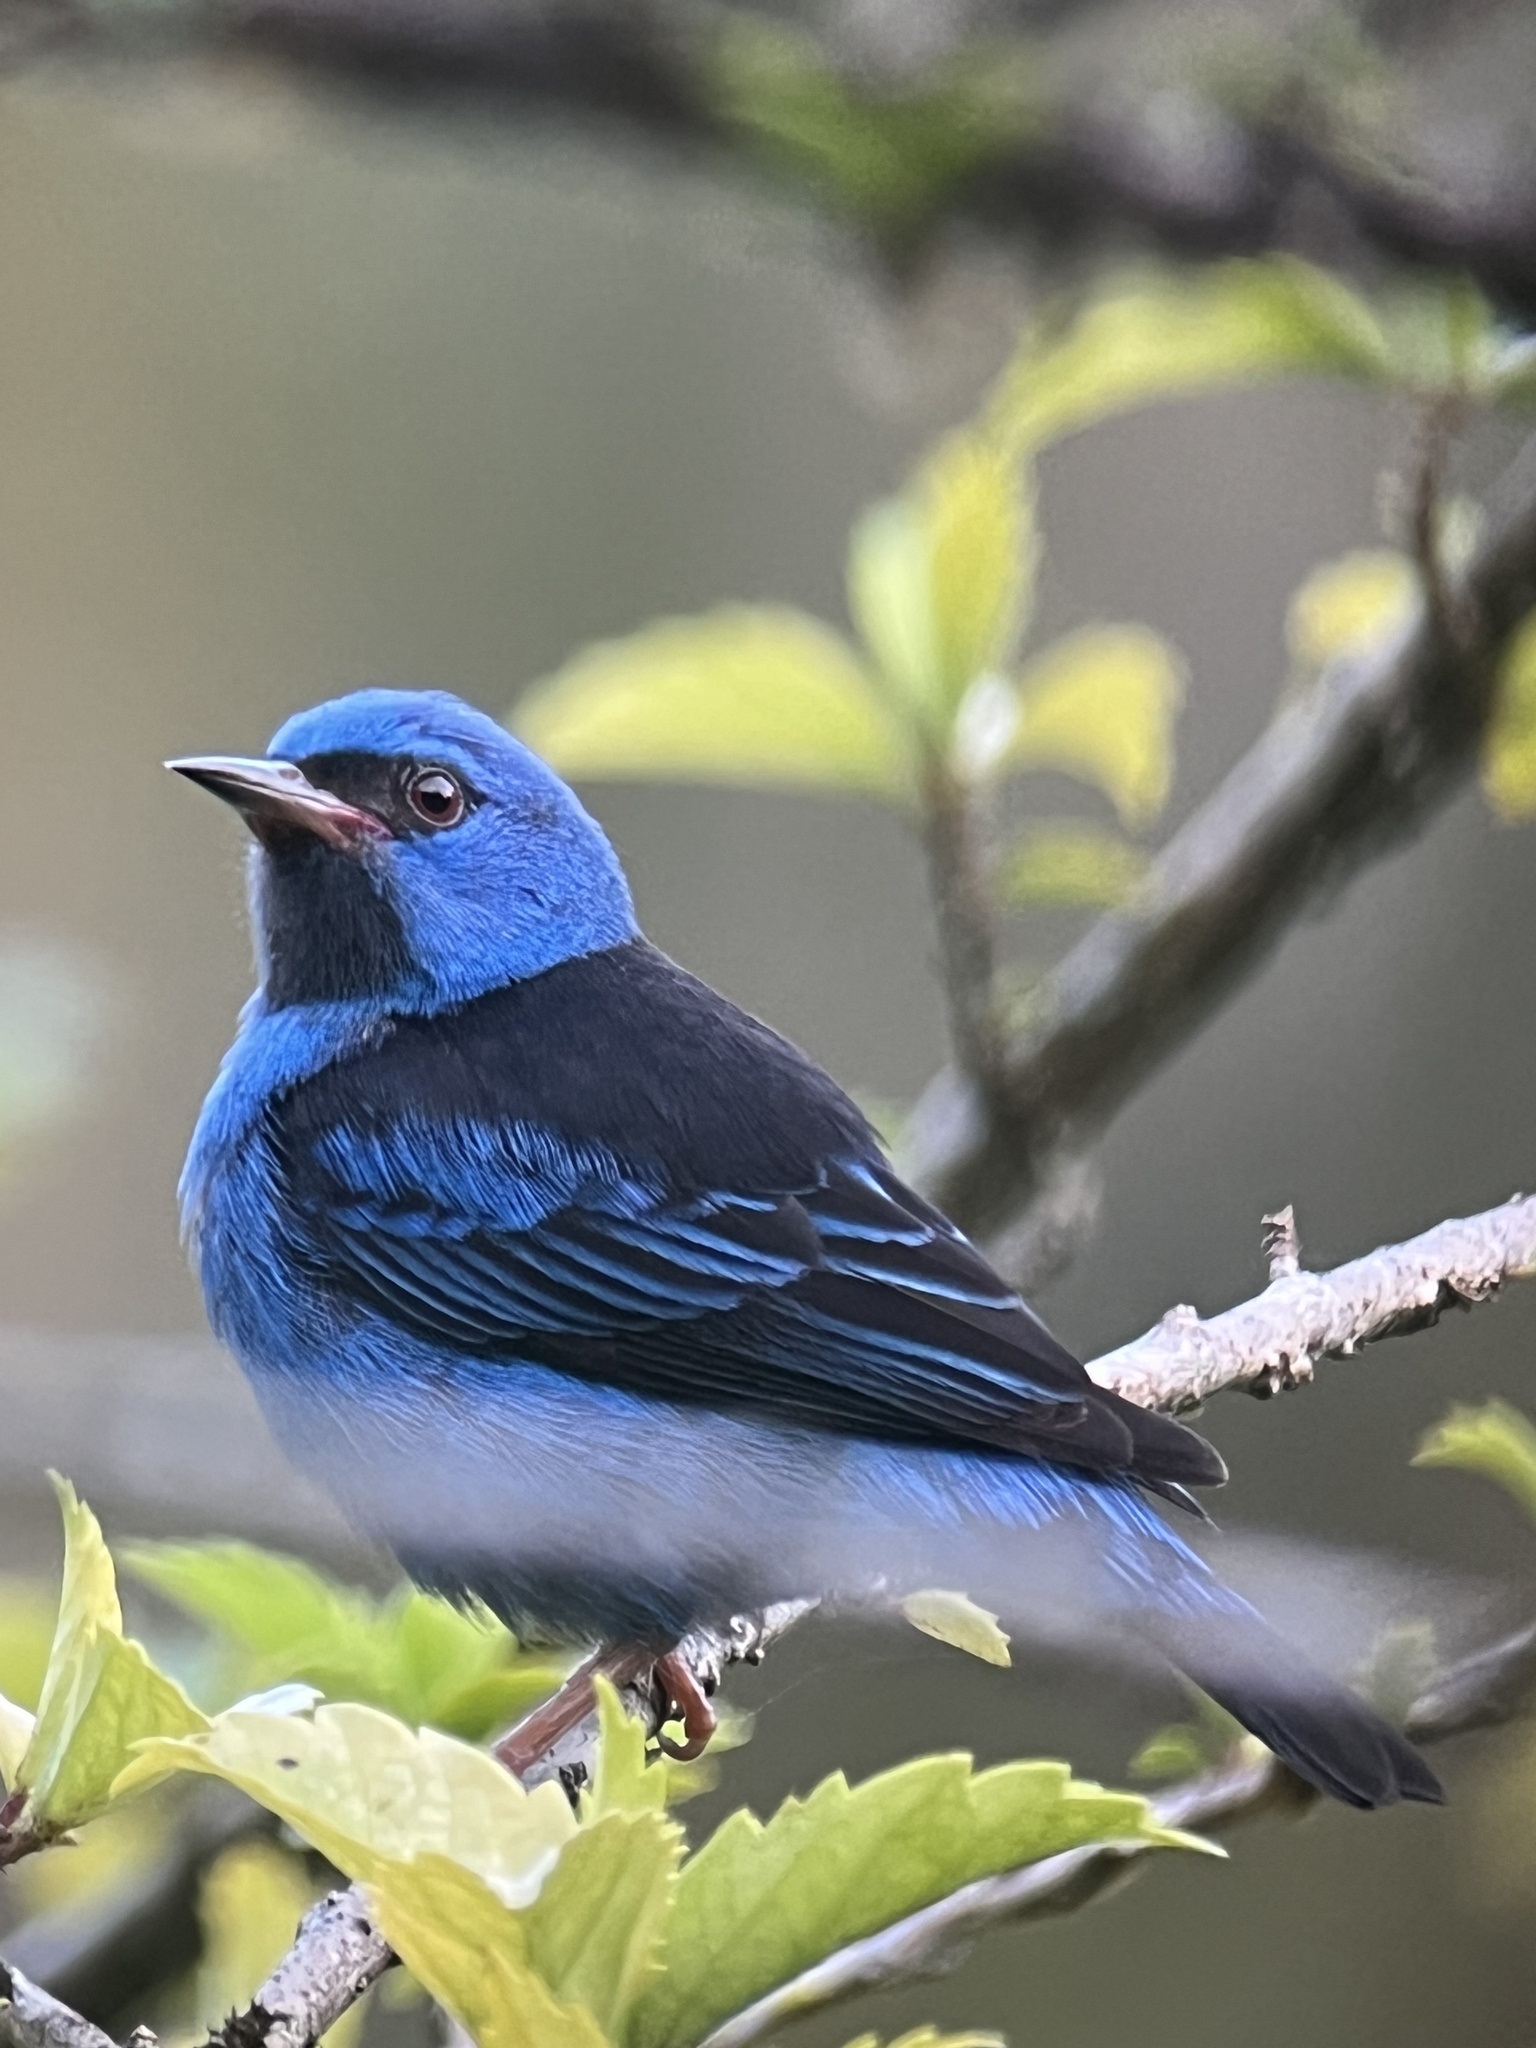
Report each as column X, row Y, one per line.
column 1494, row 1440
column 1100, row 705
column 1163, row 336
column 458, row 1940
column 930, row 2037
column 101, row 1693
column 758, row 1904
column 1345, row 607
column 1072, row 864
column 938, row 577
column 1509, row 750
column 595, row 1930
column 980, row 548
column 623, row 1781
column 749, row 695
column 363, row 1789
column 952, row 1618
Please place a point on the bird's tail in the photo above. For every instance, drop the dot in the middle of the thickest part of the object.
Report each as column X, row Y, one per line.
column 1324, row 1732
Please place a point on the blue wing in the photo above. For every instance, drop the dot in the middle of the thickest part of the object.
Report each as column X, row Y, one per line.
column 646, row 1189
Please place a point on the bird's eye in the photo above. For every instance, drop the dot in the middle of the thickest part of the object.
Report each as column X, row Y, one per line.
column 435, row 797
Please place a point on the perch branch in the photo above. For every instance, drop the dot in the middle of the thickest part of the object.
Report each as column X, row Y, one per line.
column 1345, row 772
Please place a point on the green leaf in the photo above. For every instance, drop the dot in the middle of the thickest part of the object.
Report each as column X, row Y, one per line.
column 1100, row 705
column 249, row 1903
column 410, row 1654
column 101, row 1693
column 623, row 1781
column 938, row 577
column 1346, row 606
column 364, row 1790
column 759, row 1904
column 1509, row 748
column 766, row 698
column 1167, row 336
column 458, row 1940
column 1072, row 864
column 594, row 1932
column 952, row 1618
column 1494, row 1440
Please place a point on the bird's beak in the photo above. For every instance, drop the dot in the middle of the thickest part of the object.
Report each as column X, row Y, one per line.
column 276, row 793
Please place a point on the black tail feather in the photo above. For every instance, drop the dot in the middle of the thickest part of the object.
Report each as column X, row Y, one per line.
column 1323, row 1732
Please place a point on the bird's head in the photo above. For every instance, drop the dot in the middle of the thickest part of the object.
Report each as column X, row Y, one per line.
column 409, row 851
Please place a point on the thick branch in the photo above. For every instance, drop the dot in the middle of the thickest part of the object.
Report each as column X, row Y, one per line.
column 1184, row 173
column 1345, row 772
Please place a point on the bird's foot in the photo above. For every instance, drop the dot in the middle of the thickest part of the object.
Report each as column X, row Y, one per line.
column 689, row 1703
column 683, row 1699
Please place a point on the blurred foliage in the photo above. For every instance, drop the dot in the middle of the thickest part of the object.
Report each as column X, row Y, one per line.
column 1072, row 864
column 1494, row 1440
column 930, row 692
column 1101, row 705
column 409, row 1653
column 1184, row 1748
column 1509, row 754
column 1345, row 606
column 885, row 156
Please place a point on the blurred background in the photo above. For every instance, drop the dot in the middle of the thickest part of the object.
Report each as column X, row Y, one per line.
column 305, row 385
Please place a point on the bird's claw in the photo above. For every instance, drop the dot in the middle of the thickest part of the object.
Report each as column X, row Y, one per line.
column 689, row 1704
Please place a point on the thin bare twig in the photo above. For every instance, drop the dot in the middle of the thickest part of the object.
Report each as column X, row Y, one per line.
column 1273, row 1342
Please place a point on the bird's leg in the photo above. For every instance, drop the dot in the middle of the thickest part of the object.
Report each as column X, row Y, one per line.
column 690, row 1705
column 683, row 1699
column 564, row 1711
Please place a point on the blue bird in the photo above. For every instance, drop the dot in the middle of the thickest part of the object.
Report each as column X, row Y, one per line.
column 599, row 1302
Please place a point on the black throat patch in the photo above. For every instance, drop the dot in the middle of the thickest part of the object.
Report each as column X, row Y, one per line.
column 331, row 935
